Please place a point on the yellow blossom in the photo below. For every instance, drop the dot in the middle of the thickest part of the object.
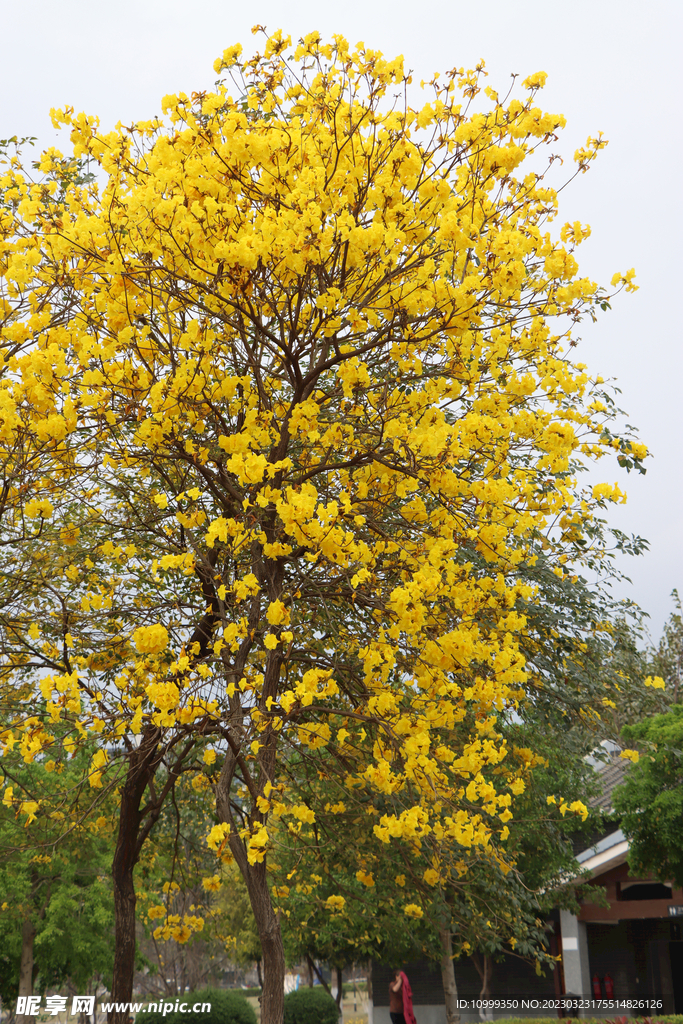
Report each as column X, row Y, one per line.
column 151, row 639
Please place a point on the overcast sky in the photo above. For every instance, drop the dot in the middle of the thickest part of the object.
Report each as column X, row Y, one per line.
column 613, row 66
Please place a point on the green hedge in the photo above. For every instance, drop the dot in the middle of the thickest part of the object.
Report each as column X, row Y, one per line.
column 360, row 986
column 228, row 1006
column 310, row 1006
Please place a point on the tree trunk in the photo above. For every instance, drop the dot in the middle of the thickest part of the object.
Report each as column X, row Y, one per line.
column 142, row 767
column 370, row 995
column 273, row 995
column 314, row 970
column 484, row 971
column 258, row 973
column 124, row 926
column 340, row 992
column 267, row 923
column 450, row 988
column 254, row 875
column 28, row 934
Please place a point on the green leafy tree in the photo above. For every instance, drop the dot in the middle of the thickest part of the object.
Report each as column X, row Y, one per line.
column 56, row 905
column 650, row 800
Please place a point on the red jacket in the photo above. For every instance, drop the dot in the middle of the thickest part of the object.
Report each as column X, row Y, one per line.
column 407, row 1000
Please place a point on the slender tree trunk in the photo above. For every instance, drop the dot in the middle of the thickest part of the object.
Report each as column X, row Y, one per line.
column 94, row 1011
column 484, row 970
column 28, row 934
column 273, row 995
column 450, row 988
column 258, row 973
column 124, row 921
column 370, row 995
column 142, row 766
column 267, row 923
column 314, row 970
column 254, row 875
column 340, row 993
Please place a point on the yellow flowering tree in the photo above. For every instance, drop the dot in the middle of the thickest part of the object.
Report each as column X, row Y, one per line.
column 314, row 344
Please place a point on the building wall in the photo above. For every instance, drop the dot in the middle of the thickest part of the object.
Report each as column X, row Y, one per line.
column 622, row 909
column 634, row 940
column 642, row 958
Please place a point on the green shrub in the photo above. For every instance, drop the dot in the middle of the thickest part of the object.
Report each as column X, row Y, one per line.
column 228, row 1006
column 310, row 1006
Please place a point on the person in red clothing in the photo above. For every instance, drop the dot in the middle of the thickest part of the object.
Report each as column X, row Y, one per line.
column 396, row 999
column 401, row 999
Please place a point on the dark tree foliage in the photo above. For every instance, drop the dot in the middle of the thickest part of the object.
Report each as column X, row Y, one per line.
column 650, row 800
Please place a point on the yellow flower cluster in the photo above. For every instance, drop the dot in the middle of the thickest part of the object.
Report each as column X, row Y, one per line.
column 630, row 755
column 217, row 837
column 211, row 884
column 257, row 844
column 181, row 929
column 335, row 903
column 151, row 639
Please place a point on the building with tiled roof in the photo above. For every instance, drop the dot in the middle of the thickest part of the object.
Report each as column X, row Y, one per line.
column 631, row 949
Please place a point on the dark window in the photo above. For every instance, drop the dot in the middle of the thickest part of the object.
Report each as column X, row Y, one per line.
column 645, row 891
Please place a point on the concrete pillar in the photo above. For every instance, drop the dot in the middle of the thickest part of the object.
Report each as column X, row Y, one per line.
column 577, row 979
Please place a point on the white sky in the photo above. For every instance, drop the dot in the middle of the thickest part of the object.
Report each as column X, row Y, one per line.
column 613, row 65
